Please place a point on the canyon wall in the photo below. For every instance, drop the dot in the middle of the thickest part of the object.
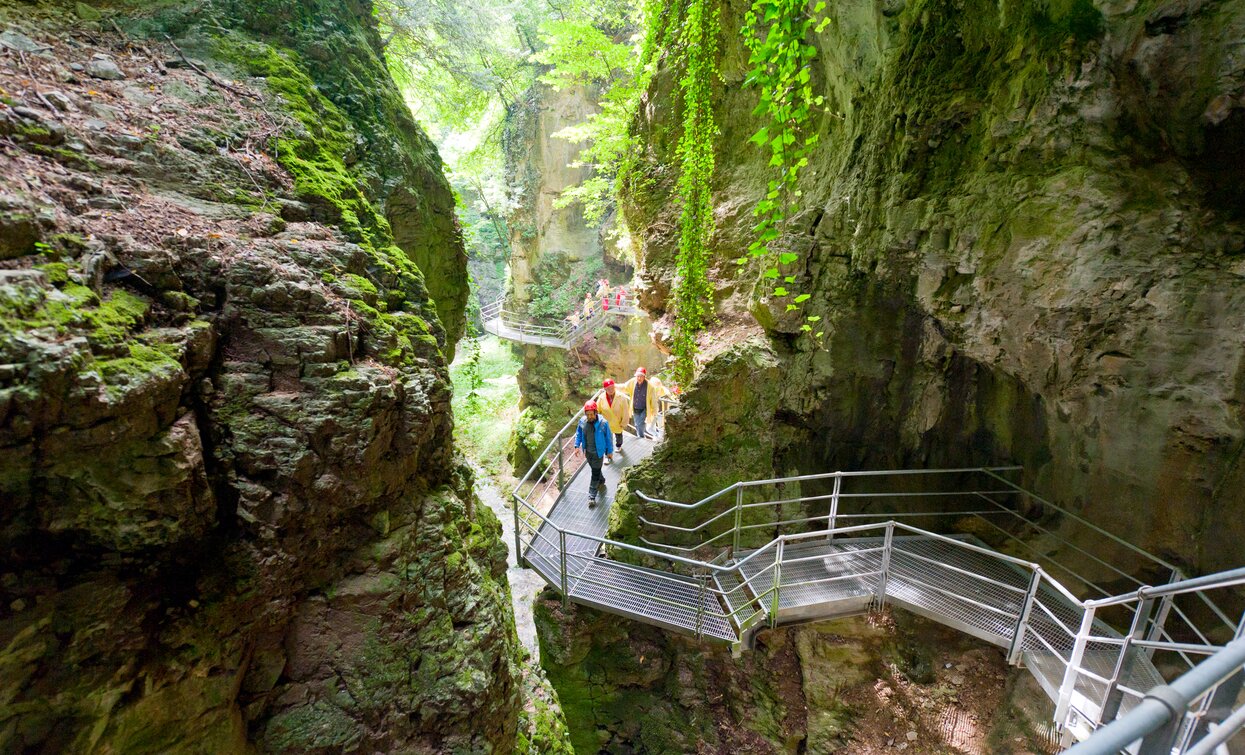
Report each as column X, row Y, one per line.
column 1022, row 228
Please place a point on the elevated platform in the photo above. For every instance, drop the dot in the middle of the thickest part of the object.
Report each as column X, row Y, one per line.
column 518, row 327
column 1089, row 670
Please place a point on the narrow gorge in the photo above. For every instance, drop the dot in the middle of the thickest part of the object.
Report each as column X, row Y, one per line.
column 309, row 308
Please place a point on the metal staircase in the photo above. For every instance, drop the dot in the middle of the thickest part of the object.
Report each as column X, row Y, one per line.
column 768, row 566
column 515, row 326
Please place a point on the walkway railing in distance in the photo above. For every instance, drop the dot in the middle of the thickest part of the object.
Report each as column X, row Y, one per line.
column 576, row 325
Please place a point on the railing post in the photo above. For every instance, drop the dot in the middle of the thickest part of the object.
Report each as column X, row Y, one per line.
column 739, row 512
column 1219, row 704
column 834, row 505
column 566, row 597
column 1022, row 622
column 700, row 601
column 773, row 613
column 886, row 563
column 1111, row 701
column 1064, row 703
column 1155, row 633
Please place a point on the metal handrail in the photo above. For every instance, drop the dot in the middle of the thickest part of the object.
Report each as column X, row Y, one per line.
column 1080, row 686
column 566, row 333
column 1156, row 721
column 818, row 476
column 1230, row 578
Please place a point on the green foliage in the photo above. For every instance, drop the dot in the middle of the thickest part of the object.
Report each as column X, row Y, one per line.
column 579, row 53
column 471, row 369
column 482, row 427
column 559, row 285
column 591, row 57
column 693, row 295
column 776, row 33
column 455, row 58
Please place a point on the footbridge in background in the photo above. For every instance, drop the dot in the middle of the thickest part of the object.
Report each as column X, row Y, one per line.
column 563, row 334
column 754, row 557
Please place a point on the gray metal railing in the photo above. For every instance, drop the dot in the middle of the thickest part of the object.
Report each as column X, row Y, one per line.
column 1093, row 671
column 576, row 325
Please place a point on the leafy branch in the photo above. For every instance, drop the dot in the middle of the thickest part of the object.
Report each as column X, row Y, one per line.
column 775, row 32
column 692, row 293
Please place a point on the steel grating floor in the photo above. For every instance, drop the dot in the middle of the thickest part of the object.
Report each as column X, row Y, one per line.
column 947, row 583
column 647, row 595
column 974, row 592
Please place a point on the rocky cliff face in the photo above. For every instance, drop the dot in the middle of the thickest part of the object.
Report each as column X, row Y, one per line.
column 1022, row 227
column 231, row 510
column 541, row 167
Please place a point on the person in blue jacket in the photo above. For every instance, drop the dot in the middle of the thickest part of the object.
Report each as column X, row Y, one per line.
column 596, row 440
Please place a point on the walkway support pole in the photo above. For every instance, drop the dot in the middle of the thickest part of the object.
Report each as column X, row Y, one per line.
column 1064, row 704
column 739, row 513
column 834, row 504
column 773, row 613
column 1155, row 632
column 886, row 562
column 1113, row 698
column 566, row 597
column 1022, row 622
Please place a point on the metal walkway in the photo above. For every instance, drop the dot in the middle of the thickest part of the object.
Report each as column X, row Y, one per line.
column 515, row 326
column 813, row 569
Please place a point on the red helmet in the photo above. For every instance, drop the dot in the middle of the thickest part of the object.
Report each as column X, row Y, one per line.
column 608, row 382
column 591, row 406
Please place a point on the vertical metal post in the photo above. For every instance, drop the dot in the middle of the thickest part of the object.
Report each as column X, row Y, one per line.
column 834, row 505
column 1111, row 702
column 886, row 563
column 1064, row 703
column 1219, row 704
column 700, row 601
column 739, row 512
column 1022, row 623
column 773, row 612
column 1155, row 632
column 566, row 597
column 558, row 442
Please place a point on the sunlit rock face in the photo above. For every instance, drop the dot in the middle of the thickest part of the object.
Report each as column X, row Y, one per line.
column 231, row 515
column 1022, row 230
column 540, row 167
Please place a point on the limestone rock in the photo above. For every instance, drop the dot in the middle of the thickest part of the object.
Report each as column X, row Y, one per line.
column 1020, row 281
column 100, row 67
column 15, row 40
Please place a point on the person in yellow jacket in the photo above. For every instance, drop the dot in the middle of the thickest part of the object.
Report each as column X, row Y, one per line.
column 615, row 408
column 645, row 394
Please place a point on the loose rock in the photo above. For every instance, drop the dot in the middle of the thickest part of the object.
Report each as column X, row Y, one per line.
column 101, row 67
column 15, row 40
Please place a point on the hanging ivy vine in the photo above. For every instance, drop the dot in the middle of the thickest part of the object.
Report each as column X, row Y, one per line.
column 693, row 295
column 776, row 33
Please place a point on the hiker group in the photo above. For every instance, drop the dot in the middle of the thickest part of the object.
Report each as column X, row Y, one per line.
column 600, row 432
column 605, row 297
